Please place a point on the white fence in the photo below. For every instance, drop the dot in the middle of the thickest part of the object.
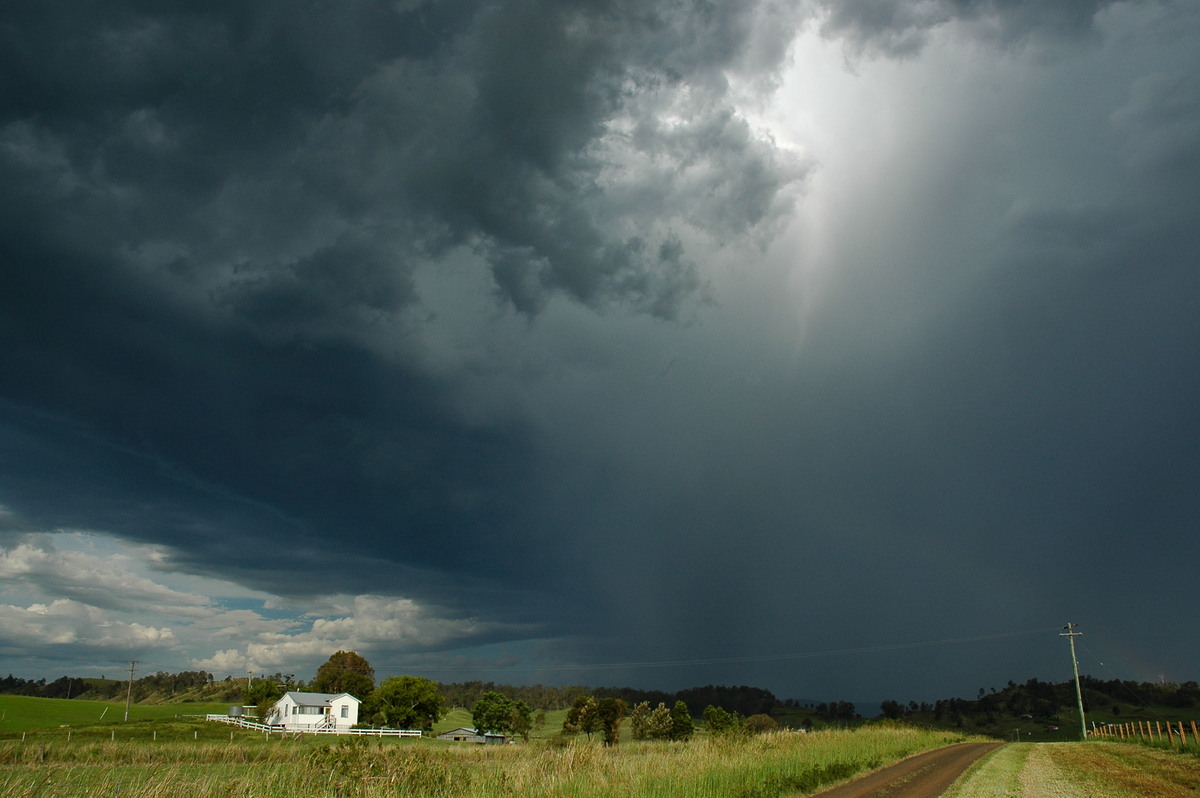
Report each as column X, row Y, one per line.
column 263, row 727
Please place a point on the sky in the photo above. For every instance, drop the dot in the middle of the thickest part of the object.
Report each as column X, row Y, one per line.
column 845, row 349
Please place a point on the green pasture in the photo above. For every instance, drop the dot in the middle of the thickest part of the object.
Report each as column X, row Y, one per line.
column 254, row 765
column 20, row 713
column 552, row 722
column 54, row 718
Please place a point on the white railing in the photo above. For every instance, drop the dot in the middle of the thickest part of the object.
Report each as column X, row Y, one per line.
column 254, row 725
column 240, row 722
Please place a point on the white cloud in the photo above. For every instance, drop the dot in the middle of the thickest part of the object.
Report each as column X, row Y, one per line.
column 227, row 660
column 98, row 581
column 70, row 593
column 241, row 624
column 380, row 624
column 64, row 622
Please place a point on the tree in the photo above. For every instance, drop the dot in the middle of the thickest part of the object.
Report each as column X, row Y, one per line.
column 639, row 720
column 405, row 702
column 520, row 719
column 761, row 723
column 719, row 721
column 490, row 713
column 581, row 717
column 681, row 722
column 345, row 672
column 653, row 724
column 263, row 694
column 609, row 712
column 662, row 724
column 496, row 712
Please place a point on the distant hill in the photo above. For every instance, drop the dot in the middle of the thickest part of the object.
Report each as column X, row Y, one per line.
column 1040, row 710
column 156, row 688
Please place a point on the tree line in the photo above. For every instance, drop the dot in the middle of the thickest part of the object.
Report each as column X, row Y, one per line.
column 415, row 702
column 742, row 699
column 1045, row 700
column 156, row 684
column 603, row 715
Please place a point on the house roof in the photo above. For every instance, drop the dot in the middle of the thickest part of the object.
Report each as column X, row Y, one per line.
column 315, row 699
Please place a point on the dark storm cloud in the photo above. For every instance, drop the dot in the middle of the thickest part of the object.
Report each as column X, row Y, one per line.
column 307, row 427
column 504, row 141
column 231, row 131
column 212, row 219
column 990, row 420
column 476, row 305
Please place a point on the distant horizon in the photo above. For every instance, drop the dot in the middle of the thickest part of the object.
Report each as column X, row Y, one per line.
column 803, row 702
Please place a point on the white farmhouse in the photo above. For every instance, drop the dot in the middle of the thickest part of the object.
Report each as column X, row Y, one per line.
column 314, row 711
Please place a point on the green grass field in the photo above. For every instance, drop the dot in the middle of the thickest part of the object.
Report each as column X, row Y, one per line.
column 22, row 713
column 52, row 747
column 1095, row 769
column 192, row 757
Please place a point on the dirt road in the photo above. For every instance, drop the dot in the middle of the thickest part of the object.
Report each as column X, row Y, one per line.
column 925, row 775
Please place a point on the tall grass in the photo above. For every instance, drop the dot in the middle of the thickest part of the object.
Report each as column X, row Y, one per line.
column 765, row 766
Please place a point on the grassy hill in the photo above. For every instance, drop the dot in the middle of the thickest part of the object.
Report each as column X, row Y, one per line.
column 20, row 713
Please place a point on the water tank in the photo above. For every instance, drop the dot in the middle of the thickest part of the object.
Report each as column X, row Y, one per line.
column 235, row 712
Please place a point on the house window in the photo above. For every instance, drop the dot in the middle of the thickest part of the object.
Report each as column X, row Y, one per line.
column 345, row 711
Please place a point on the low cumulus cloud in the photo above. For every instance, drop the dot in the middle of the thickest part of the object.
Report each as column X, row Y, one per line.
column 386, row 627
column 65, row 629
column 100, row 600
column 105, row 583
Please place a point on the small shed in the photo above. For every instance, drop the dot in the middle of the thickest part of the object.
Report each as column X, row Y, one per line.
column 464, row 734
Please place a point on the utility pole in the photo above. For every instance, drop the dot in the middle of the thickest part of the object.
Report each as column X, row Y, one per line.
column 129, row 691
column 1071, row 634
